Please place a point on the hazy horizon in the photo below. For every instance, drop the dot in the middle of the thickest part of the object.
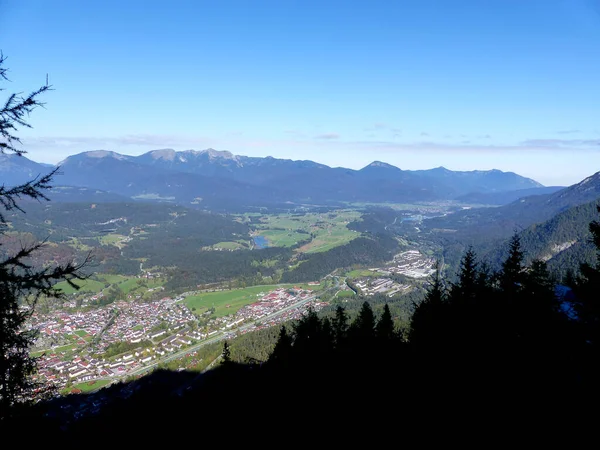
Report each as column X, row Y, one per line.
column 265, row 156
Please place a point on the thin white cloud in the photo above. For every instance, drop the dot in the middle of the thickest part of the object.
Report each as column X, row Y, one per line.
column 87, row 142
column 557, row 143
column 327, row 136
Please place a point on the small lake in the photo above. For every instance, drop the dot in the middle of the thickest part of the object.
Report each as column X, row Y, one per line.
column 260, row 242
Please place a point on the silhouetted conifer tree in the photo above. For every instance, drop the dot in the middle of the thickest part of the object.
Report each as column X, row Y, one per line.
column 340, row 326
column 327, row 337
column 428, row 319
column 511, row 275
column 283, row 348
column 362, row 330
column 384, row 330
column 465, row 289
column 308, row 337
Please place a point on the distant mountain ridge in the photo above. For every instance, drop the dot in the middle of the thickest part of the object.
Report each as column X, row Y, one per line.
column 503, row 198
column 487, row 228
column 217, row 179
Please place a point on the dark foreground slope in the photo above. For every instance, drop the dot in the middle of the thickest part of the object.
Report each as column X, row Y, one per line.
column 358, row 402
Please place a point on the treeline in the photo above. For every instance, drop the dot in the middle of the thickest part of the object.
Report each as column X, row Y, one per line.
column 564, row 239
column 362, row 250
column 166, row 230
column 255, row 346
column 376, row 220
column 192, row 267
column 62, row 221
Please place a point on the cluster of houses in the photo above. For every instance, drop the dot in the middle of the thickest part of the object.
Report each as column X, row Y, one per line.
column 290, row 314
column 164, row 323
column 272, row 302
column 381, row 286
column 410, row 263
column 167, row 324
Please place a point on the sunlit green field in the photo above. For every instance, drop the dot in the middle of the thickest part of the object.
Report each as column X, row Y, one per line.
column 324, row 231
column 228, row 245
column 87, row 386
column 126, row 284
column 87, row 286
column 230, row 301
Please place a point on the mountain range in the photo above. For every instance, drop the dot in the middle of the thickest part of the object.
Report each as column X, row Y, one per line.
column 219, row 180
column 552, row 227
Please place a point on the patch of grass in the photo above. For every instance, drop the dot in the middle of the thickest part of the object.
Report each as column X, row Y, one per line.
column 229, row 302
column 283, row 238
column 343, row 294
column 328, row 230
column 327, row 242
column 81, row 333
column 65, row 348
column 111, row 239
column 78, row 245
column 228, row 245
column 89, row 286
column 129, row 285
column 111, row 278
column 87, row 386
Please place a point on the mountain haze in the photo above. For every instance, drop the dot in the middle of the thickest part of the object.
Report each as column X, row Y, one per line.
column 503, row 220
column 215, row 179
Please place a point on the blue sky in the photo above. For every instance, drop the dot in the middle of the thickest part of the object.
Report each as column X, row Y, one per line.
column 507, row 84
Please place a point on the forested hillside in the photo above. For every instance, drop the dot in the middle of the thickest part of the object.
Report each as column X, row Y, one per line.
column 362, row 251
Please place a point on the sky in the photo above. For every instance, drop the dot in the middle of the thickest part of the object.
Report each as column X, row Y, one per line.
column 464, row 84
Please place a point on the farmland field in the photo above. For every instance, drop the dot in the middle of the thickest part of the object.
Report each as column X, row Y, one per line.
column 324, row 230
column 88, row 286
column 111, row 239
column 229, row 302
column 126, row 284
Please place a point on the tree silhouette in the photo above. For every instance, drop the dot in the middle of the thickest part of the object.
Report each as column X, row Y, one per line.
column 465, row 290
column 22, row 284
column 362, row 331
column 511, row 275
column 283, row 348
column 428, row 319
column 340, row 326
column 384, row 330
